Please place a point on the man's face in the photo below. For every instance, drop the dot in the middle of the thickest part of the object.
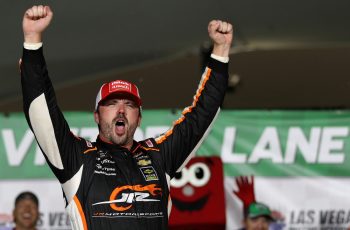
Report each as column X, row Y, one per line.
column 26, row 214
column 258, row 223
column 118, row 118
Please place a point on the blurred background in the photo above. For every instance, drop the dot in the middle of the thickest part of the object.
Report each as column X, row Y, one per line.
column 287, row 54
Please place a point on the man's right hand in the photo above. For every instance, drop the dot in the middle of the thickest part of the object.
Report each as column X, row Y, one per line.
column 35, row 20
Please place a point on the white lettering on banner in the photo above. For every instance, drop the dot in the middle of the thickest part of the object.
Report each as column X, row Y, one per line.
column 228, row 145
column 15, row 155
column 155, row 131
column 138, row 136
column 39, row 156
column 268, row 147
column 151, row 131
column 297, row 140
column 328, row 144
column 89, row 133
column 324, row 145
column 74, row 130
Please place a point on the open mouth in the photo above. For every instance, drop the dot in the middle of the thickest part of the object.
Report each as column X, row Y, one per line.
column 120, row 123
column 120, row 126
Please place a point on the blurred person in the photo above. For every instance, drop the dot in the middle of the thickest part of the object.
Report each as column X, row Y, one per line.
column 26, row 211
column 256, row 215
column 117, row 182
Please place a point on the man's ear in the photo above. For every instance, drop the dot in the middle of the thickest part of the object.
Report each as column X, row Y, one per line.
column 97, row 117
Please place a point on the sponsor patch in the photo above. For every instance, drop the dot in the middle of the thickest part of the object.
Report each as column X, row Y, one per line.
column 144, row 162
column 149, row 173
column 102, row 154
column 141, row 156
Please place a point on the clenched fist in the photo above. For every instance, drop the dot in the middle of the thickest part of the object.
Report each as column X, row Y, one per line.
column 35, row 20
column 221, row 33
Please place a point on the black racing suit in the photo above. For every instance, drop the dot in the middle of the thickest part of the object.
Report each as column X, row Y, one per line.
column 106, row 186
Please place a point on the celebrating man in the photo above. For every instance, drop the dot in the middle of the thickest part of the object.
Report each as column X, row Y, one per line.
column 116, row 182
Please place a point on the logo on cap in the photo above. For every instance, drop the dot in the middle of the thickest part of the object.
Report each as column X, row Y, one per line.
column 119, row 85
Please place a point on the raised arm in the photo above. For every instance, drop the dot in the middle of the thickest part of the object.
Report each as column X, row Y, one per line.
column 62, row 150
column 184, row 138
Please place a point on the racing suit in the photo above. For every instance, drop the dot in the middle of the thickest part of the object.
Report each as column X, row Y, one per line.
column 106, row 186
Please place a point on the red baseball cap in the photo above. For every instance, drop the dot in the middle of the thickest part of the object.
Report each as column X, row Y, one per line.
column 118, row 87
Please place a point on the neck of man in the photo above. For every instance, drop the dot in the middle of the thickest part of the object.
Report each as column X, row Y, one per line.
column 128, row 145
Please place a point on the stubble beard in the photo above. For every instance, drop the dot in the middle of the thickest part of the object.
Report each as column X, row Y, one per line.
column 108, row 131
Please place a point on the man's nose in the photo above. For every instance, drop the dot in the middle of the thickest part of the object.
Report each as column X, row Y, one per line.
column 120, row 108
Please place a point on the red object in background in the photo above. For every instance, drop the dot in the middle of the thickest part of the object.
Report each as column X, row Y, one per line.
column 245, row 190
column 197, row 193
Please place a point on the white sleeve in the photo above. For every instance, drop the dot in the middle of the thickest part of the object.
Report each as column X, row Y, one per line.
column 219, row 58
column 32, row 46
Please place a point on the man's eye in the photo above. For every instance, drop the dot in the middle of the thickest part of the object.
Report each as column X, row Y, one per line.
column 130, row 103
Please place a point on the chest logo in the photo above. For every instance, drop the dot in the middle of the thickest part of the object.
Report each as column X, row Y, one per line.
column 149, row 173
column 144, row 162
column 123, row 198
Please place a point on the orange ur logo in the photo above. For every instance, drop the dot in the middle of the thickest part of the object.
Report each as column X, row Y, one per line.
column 130, row 194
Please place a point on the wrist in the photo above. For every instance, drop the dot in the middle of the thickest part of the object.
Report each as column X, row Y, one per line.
column 32, row 38
column 221, row 50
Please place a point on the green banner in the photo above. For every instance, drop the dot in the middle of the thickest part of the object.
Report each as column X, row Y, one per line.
column 264, row 143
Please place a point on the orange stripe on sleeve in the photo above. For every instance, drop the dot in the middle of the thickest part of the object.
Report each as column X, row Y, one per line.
column 89, row 150
column 162, row 138
column 80, row 209
column 154, row 149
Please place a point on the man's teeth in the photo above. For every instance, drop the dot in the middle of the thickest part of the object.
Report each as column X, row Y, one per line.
column 120, row 123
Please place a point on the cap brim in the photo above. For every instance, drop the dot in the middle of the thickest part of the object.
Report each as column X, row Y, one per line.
column 122, row 94
column 261, row 215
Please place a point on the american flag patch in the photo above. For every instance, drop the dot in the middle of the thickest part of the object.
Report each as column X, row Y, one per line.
column 149, row 143
column 88, row 144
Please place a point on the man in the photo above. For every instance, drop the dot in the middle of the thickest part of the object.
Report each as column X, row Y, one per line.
column 26, row 212
column 257, row 217
column 116, row 182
